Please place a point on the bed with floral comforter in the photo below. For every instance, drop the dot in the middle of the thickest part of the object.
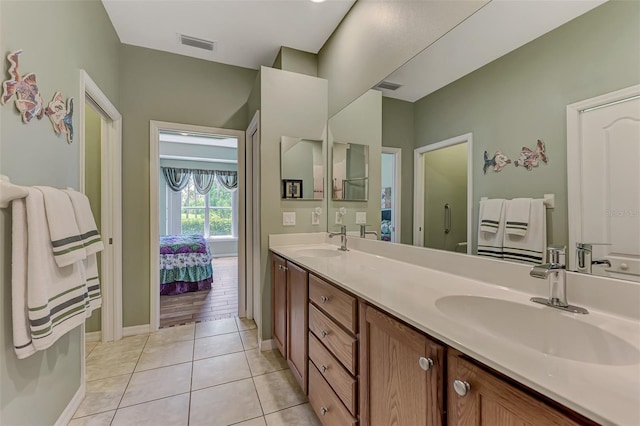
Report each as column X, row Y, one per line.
column 185, row 264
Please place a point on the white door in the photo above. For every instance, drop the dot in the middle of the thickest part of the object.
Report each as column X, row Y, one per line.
column 390, row 196
column 609, row 138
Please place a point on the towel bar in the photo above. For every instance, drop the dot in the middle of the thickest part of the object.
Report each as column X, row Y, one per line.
column 9, row 191
column 549, row 200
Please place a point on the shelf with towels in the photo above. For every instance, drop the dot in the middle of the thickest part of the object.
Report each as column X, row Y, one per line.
column 549, row 200
column 9, row 191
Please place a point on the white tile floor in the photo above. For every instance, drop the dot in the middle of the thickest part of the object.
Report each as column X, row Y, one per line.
column 209, row 373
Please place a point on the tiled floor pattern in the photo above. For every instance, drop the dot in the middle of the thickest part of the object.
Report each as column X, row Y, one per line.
column 210, row 373
column 219, row 302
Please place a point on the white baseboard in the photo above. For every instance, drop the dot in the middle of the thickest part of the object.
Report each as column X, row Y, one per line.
column 93, row 336
column 71, row 408
column 135, row 330
column 267, row 345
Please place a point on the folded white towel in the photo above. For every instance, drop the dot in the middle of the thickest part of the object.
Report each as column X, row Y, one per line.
column 517, row 218
column 65, row 238
column 490, row 242
column 86, row 224
column 490, row 213
column 531, row 247
column 92, row 279
column 23, row 345
column 56, row 297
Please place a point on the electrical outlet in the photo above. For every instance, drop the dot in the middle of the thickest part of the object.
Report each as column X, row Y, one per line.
column 288, row 218
column 361, row 218
column 338, row 218
column 315, row 218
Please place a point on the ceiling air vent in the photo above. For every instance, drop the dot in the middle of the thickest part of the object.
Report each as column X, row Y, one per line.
column 388, row 85
column 196, row 42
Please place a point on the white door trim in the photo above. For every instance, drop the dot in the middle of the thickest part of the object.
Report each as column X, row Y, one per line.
column 111, row 153
column 418, row 186
column 251, row 204
column 397, row 190
column 154, row 213
column 574, row 155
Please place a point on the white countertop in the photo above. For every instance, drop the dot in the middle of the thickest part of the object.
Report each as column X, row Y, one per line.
column 608, row 394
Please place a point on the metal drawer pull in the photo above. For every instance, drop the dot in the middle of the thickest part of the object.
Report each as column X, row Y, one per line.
column 324, row 299
column 323, row 410
column 461, row 387
column 323, row 368
column 425, row 363
column 324, row 333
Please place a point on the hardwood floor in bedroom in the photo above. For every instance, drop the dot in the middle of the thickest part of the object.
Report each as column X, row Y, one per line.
column 219, row 302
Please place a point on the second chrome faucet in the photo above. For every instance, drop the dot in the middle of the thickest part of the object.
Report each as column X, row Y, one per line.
column 343, row 237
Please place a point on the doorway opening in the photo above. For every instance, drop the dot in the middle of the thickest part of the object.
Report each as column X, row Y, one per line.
column 390, row 197
column 195, row 224
column 100, row 180
column 443, row 206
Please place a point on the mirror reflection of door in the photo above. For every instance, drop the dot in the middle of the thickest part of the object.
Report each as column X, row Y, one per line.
column 389, row 207
column 445, row 198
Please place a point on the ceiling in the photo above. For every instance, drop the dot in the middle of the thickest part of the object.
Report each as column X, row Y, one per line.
column 495, row 30
column 248, row 33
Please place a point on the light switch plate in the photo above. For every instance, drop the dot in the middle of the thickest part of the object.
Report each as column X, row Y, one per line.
column 288, row 218
column 315, row 218
column 361, row 218
column 338, row 218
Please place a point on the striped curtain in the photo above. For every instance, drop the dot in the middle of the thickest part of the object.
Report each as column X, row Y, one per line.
column 203, row 180
column 228, row 179
column 177, row 179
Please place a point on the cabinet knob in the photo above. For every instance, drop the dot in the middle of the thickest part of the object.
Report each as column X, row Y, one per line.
column 323, row 368
column 324, row 333
column 425, row 363
column 624, row 266
column 461, row 387
column 324, row 299
column 323, row 410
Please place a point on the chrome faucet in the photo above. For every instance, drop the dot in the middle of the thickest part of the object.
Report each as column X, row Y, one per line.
column 555, row 272
column 343, row 237
column 584, row 261
column 364, row 232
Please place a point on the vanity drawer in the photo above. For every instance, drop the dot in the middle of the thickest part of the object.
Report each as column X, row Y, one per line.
column 325, row 402
column 338, row 341
column 335, row 302
column 343, row 384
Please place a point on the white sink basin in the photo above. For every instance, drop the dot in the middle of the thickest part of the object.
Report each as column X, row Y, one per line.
column 319, row 252
column 543, row 329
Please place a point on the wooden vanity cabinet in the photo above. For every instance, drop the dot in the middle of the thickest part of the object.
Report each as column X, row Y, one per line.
column 401, row 373
column 290, row 315
column 483, row 398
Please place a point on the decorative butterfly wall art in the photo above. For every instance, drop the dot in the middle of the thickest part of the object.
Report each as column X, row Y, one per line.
column 529, row 159
column 61, row 116
column 498, row 161
column 28, row 99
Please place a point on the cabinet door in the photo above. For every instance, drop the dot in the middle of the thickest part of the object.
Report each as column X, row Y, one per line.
column 297, row 322
column 491, row 401
column 279, row 301
column 394, row 387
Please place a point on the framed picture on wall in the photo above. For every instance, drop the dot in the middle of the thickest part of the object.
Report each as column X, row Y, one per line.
column 291, row 188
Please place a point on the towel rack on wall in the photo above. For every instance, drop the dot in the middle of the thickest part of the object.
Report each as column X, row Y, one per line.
column 549, row 200
column 9, row 191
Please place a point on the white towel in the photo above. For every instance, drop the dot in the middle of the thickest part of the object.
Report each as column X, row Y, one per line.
column 48, row 300
column 490, row 213
column 517, row 219
column 490, row 242
column 531, row 247
column 65, row 238
column 92, row 279
column 86, row 224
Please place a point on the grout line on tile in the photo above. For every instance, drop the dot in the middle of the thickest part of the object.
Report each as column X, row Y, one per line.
column 248, row 420
column 153, row 400
column 132, row 373
column 254, row 386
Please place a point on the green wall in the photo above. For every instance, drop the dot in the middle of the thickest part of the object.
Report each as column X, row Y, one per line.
column 359, row 123
column 162, row 86
column 294, row 105
column 299, row 61
column 58, row 39
column 522, row 97
column 92, row 186
column 398, row 132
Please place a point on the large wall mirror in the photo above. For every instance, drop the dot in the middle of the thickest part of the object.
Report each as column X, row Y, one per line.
column 301, row 169
column 512, row 92
column 350, row 178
